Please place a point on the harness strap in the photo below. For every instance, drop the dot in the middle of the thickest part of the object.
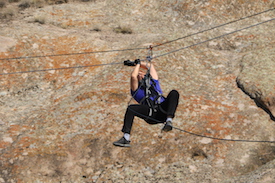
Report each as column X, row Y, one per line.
column 150, row 90
column 146, row 82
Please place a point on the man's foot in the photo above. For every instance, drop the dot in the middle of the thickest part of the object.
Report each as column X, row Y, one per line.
column 167, row 126
column 122, row 142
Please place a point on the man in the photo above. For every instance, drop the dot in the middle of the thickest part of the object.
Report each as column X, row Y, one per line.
column 153, row 108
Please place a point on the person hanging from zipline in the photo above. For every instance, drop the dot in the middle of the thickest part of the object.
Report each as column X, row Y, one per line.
column 153, row 107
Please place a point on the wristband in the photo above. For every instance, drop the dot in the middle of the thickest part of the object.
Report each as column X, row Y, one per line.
column 137, row 61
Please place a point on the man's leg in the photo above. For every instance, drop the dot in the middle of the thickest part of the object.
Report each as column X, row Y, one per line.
column 170, row 105
column 141, row 111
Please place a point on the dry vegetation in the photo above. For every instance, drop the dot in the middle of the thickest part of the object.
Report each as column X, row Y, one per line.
column 10, row 8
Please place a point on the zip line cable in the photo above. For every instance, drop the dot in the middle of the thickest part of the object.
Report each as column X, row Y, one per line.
column 198, row 135
column 243, row 18
column 214, row 38
column 204, row 136
column 130, row 49
column 43, row 70
column 69, row 54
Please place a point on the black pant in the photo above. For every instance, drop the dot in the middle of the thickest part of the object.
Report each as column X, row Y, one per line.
column 166, row 108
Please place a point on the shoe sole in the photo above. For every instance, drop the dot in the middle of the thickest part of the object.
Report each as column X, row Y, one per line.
column 122, row 145
column 167, row 128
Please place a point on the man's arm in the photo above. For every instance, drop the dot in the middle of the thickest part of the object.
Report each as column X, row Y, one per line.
column 134, row 78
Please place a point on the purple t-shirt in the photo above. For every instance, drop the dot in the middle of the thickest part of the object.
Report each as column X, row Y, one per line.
column 139, row 94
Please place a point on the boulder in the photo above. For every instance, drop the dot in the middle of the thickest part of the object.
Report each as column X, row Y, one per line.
column 257, row 78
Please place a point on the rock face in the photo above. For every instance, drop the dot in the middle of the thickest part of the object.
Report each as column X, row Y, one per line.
column 6, row 42
column 62, row 105
column 257, row 78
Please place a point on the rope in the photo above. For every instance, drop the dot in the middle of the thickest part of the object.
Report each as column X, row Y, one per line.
column 68, row 54
column 149, row 57
column 130, row 49
column 222, row 139
column 214, row 27
column 214, row 38
column 198, row 135
column 44, row 70
column 150, row 48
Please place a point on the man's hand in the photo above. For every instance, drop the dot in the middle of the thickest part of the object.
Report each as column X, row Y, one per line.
column 137, row 61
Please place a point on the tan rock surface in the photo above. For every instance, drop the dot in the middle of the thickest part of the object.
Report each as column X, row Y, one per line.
column 59, row 125
column 257, row 78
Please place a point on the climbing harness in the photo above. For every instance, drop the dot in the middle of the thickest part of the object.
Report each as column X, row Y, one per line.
column 152, row 97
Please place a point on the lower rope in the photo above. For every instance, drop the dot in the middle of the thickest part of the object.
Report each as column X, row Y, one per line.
column 234, row 140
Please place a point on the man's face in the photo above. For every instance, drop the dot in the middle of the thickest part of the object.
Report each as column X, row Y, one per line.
column 141, row 75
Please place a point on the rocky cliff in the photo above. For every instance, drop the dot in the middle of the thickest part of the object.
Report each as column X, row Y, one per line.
column 62, row 105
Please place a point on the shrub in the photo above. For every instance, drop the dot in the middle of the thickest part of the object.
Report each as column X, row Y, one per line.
column 38, row 3
column 51, row 2
column 123, row 30
column 96, row 29
column 7, row 13
column 88, row 1
column 24, row 5
column 14, row 1
column 2, row 3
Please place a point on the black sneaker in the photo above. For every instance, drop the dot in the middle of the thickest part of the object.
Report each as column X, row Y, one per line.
column 122, row 142
column 167, row 126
